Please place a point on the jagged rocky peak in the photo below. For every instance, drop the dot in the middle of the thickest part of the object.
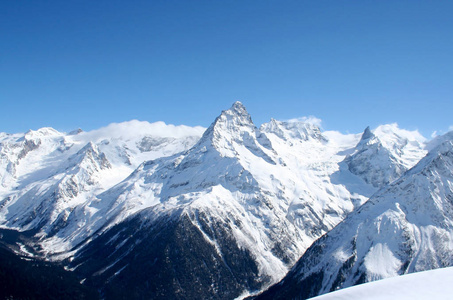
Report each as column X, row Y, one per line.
column 233, row 118
column 90, row 156
column 384, row 154
column 89, row 147
column 299, row 129
column 367, row 135
column 393, row 138
column 232, row 128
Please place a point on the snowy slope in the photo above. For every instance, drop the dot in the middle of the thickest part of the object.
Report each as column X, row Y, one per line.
column 248, row 200
column 434, row 284
column 267, row 193
column 46, row 175
column 405, row 227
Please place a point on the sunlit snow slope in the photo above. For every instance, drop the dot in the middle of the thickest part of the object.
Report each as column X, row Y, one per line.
column 405, row 227
column 46, row 176
column 224, row 211
column 434, row 284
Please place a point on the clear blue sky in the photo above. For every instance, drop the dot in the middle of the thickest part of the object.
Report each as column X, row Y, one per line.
column 70, row 64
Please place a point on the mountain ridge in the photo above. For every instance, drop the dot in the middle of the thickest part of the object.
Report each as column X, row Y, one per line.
column 252, row 200
column 397, row 231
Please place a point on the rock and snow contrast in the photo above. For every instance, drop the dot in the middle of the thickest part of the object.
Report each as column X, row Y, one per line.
column 403, row 228
column 47, row 177
column 393, row 149
column 140, row 210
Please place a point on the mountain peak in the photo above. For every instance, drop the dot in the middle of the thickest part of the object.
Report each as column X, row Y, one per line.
column 42, row 132
column 90, row 157
column 232, row 122
column 367, row 134
column 232, row 128
column 238, row 107
column 237, row 113
column 368, row 137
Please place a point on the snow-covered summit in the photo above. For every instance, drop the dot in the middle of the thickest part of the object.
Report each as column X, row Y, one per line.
column 385, row 154
column 393, row 137
column 234, row 129
column 42, row 132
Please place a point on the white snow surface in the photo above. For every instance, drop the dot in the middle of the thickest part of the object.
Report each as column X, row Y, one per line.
column 46, row 175
column 433, row 284
column 403, row 228
column 282, row 185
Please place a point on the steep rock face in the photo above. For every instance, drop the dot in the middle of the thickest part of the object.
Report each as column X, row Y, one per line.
column 404, row 228
column 383, row 156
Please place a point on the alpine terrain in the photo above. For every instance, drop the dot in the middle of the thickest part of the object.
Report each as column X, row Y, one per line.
column 405, row 227
column 154, row 211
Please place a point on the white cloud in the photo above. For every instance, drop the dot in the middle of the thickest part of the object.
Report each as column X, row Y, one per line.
column 137, row 128
column 310, row 119
column 437, row 133
column 387, row 130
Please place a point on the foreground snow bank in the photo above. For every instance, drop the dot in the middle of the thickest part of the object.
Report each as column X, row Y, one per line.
column 434, row 284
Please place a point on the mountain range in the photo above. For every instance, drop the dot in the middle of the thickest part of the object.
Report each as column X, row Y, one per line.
column 154, row 211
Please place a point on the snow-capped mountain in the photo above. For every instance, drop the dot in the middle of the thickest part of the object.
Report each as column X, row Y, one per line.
column 162, row 211
column 385, row 154
column 235, row 195
column 260, row 196
column 405, row 227
column 41, row 202
column 47, row 175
